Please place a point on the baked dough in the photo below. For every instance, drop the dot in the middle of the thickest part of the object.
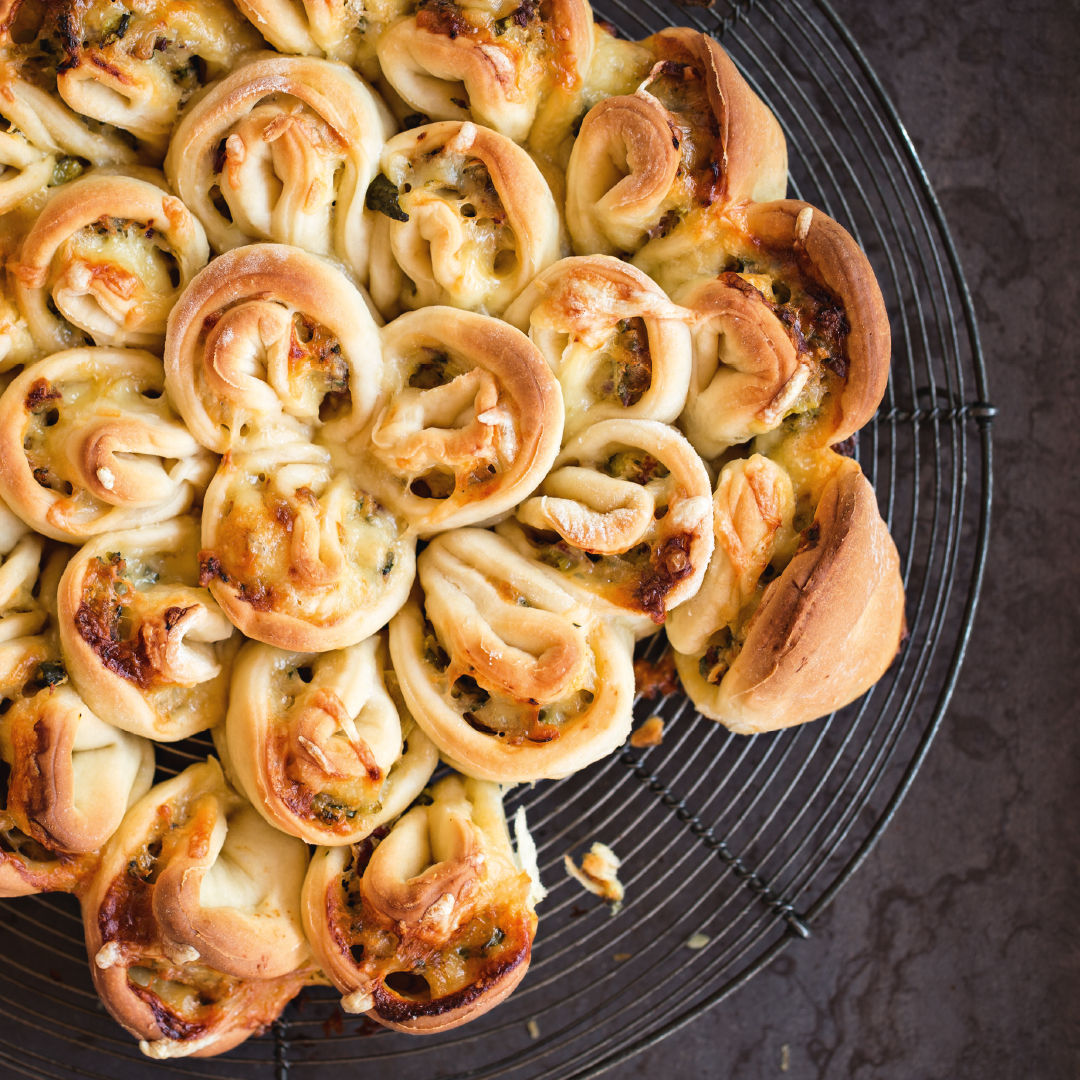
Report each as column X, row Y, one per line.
column 511, row 675
column 89, row 443
column 513, row 68
column 625, row 515
column 193, row 923
column 297, row 553
column 465, row 218
column 650, row 170
column 429, row 926
column 471, row 422
column 148, row 649
column 618, row 346
column 796, row 327
column 283, row 149
column 318, row 744
column 336, row 29
column 802, row 609
column 268, row 345
column 107, row 258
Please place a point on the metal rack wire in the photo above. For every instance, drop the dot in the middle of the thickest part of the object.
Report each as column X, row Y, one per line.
column 743, row 841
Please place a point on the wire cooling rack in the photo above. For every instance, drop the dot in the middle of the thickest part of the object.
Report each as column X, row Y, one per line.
column 743, row 841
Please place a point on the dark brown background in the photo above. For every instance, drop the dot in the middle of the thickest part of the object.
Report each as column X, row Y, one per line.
column 953, row 953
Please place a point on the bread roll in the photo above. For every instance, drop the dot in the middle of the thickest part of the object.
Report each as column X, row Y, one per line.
column 511, row 676
column 797, row 328
column 465, row 218
column 650, row 170
column 107, row 258
column 618, row 346
column 336, row 29
column 318, row 744
column 624, row 515
column 193, row 923
column 512, row 69
column 297, row 553
column 430, row 926
column 283, row 149
column 149, row 650
column 802, row 608
column 89, row 443
column 471, row 422
column 269, row 345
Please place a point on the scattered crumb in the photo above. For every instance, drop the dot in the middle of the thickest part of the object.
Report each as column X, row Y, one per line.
column 621, row 956
column 785, row 1057
column 698, row 941
column 660, row 678
column 534, row 1029
column 598, row 874
column 651, row 733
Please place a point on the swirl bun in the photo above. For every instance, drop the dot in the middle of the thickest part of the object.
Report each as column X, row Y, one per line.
column 269, row 341
column 472, row 421
column 103, row 255
column 329, row 28
column 625, row 515
column 21, row 612
column 466, row 219
column 317, row 743
column 89, row 443
column 618, row 346
column 649, row 169
column 135, row 68
column 443, row 916
column 193, row 922
column 505, row 69
column 148, row 649
column 790, row 625
column 283, row 149
column 511, row 675
column 297, row 554
column 797, row 326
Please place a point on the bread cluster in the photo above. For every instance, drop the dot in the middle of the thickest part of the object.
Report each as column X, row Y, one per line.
column 374, row 377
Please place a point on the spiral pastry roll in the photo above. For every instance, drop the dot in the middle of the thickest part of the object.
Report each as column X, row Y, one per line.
column 71, row 775
column 318, row 744
column 429, row 926
column 107, row 257
column 649, row 170
column 148, row 649
column 471, row 423
column 625, row 515
column 465, row 218
column 618, row 346
column 283, row 149
column 133, row 65
column 297, row 554
column 193, row 922
column 795, row 328
column 269, row 344
column 500, row 64
column 511, row 675
column 89, row 443
column 802, row 607
column 21, row 610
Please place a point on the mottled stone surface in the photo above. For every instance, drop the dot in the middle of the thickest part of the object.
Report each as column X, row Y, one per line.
column 953, row 953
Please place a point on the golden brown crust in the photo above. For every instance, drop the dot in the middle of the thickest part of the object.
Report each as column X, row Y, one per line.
column 100, row 254
column 825, row 630
column 152, row 943
column 472, row 420
column 440, row 895
column 89, row 442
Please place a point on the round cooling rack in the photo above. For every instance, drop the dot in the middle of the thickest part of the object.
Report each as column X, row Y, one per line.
column 740, row 840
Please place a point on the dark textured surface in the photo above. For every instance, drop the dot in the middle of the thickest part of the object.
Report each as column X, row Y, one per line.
column 953, row 953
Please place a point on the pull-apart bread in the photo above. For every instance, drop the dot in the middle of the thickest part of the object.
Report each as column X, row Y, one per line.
column 428, row 925
column 193, row 924
column 320, row 744
column 397, row 365
column 513, row 676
